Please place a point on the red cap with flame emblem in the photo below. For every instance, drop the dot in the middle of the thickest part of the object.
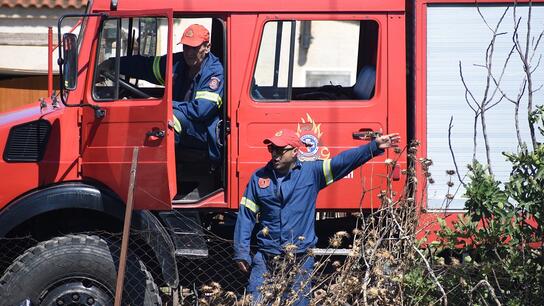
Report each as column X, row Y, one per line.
column 283, row 138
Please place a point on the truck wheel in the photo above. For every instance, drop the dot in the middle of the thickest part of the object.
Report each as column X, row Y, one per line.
column 76, row 270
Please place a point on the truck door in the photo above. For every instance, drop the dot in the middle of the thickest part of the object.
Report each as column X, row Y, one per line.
column 325, row 77
column 136, row 113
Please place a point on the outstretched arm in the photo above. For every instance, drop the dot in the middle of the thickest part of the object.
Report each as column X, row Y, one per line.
column 345, row 162
column 149, row 68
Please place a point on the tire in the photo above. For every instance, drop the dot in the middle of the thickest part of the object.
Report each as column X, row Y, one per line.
column 76, row 270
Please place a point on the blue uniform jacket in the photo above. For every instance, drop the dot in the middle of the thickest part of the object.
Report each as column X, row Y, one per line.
column 288, row 209
column 196, row 101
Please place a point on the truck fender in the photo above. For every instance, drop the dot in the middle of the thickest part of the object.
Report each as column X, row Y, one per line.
column 85, row 196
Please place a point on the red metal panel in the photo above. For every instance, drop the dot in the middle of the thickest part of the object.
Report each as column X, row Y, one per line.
column 421, row 90
column 44, row 3
column 59, row 162
column 396, row 86
column 107, row 143
column 242, row 33
column 337, row 119
column 252, row 6
column 424, row 2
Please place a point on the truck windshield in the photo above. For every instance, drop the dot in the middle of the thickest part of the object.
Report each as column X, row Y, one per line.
column 130, row 59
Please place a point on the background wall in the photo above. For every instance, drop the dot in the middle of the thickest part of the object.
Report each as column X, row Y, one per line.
column 23, row 47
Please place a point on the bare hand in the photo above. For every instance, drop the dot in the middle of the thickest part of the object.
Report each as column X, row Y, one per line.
column 388, row 141
column 243, row 265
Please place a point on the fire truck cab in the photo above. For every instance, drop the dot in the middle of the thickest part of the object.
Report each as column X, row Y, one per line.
column 275, row 77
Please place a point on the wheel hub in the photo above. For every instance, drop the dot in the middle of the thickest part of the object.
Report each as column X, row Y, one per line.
column 77, row 293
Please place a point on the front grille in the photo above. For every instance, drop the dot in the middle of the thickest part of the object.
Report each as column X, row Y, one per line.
column 27, row 142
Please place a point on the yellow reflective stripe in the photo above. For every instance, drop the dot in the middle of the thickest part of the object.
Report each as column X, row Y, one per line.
column 211, row 96
column 249, row 204
column 157, row 69
column 177, row 125
column 327, row 172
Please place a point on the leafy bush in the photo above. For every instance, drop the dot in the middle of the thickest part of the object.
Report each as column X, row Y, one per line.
column 499, row 238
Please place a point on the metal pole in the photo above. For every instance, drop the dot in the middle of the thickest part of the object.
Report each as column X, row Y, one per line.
column 49, row 61
column 126, row 230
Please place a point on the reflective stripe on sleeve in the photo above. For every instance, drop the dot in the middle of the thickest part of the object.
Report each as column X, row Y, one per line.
column 249, row 204
column 177, row 125
column 327, row 172
column 210, row 96
column 157, row 69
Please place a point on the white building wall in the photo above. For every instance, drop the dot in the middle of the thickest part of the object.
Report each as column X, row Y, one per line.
column 23, row 38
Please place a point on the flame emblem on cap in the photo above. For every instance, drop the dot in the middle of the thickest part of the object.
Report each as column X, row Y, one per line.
column 278, row 133
column 189, row 33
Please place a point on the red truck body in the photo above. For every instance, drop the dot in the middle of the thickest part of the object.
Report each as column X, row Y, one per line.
column 88, row 149
column 83, row 148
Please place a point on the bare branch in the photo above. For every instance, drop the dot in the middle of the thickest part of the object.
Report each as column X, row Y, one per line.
column 467, row 90
column 482, row 16
column 525, row 56
column 523, row 88
column 453, row 154
column 431, row 272
column 494, row 104
column 528, row 38
column 537, row 64
column 486, row 97
column 474, row 137
column 497, row 82
column 485, row 283
column 515, row 35
column 502, row 92
column 485, row 20
column 535, row 46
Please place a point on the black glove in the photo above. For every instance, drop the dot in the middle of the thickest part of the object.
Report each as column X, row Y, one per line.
column 107, row 65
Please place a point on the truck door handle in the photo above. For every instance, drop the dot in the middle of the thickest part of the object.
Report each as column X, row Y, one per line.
column 365, row 134
column 155, row 134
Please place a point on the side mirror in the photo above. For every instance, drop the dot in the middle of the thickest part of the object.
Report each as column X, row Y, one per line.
column 69, row 63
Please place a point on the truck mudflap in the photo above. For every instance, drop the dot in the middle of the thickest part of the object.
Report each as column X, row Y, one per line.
column 156, row 236
column 186, row 231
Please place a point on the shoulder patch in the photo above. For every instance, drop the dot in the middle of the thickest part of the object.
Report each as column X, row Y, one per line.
column 214, row 83
column 264, row 182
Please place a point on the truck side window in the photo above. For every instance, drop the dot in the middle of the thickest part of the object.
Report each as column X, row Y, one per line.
column 127, row 48
column 316, row 60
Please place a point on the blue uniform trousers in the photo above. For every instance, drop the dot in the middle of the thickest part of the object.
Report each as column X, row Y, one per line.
column 263, row 264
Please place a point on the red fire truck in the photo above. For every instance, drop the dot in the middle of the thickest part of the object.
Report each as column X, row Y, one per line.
column 66, row 160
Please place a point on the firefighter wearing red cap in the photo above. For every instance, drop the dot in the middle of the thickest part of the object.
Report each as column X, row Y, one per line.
column 283, row 195
column 197, row 89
